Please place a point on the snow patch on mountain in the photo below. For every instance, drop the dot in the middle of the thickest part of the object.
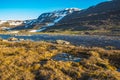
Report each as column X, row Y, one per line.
column 61, row 17
column 50, row 24
column 1, row 22
column 43, row 28
column 38, row 30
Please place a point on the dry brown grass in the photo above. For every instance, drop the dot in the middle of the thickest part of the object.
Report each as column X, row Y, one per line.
column 32, row 61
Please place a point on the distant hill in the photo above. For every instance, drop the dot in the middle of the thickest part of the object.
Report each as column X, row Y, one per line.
column 10, row 24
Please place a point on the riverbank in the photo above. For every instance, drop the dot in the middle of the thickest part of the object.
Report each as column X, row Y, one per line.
column 78, row 40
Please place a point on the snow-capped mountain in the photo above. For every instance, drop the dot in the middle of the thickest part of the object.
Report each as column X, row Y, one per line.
column 47, row 19
column 55, row 16
column 103, row 16
column 1, row 22
column 51, row 18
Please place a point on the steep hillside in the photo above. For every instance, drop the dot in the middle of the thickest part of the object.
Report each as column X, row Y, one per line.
column 103, row 7
column 104, row 16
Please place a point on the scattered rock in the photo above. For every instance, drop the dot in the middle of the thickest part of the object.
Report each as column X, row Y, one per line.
column 21, row 39
column 62, row 42
column 13, row 39
column 118, row 70
column 66, row 57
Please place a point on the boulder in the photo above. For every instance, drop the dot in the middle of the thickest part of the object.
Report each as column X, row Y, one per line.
column 21, row 39
column 66, row 57
column 13, row 39
column 62, row 42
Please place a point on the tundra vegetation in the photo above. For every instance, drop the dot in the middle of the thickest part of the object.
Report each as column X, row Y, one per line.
column 27, row 60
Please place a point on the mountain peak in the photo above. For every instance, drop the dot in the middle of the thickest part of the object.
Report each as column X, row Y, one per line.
column 75, row 9
column 66, row 10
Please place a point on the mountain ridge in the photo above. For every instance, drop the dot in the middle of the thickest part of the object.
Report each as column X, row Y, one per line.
column 47, row 19
column 103, row 16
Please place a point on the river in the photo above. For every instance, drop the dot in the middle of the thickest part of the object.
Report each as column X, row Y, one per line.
column 81, row 40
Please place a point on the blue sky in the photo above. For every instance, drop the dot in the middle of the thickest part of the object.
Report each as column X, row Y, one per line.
column 30, row 9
